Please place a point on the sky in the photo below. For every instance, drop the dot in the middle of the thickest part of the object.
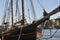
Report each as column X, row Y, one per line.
column 48, row 5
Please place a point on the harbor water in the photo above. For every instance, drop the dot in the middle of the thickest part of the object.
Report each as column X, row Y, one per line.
column 51, row 34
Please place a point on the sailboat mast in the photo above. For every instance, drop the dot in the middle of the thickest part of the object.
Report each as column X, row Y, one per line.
column 23, row 12
column 12, row 12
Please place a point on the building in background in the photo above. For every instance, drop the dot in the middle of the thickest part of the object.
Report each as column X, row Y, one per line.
column 56, row 23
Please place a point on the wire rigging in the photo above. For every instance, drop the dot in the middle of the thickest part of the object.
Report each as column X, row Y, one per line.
column 33, row 10
column 40, row 4
column 23, row 25
column 51, row 36
column 54, row 33
column 8, row 13
column 17, row 13
column 5, row 11
column 20, row 33
column 28, row 12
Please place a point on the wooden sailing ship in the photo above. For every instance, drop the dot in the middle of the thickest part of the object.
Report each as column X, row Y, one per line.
column 25, row 31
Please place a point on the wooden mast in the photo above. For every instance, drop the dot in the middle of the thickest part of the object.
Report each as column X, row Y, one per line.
column 23, row 12
column 12, row 12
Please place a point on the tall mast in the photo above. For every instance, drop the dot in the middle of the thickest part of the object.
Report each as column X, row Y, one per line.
column 23, row 12
column 12, row 12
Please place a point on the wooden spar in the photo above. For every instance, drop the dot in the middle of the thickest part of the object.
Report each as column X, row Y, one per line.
column 12, row 12
column 47, row 16
column 23, row 12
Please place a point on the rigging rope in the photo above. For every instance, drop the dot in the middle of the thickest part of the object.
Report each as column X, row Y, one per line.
column 29, row 15
column 54, row 33
column 28, row 11
column 17, row 13
column 20, row 33
column 33, row 10
column 16, row 9
column 41, row 5
column 51, row 35
column 8, row 13
column 5, row 10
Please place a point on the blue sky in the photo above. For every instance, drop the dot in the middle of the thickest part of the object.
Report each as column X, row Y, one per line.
column 48, row 5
